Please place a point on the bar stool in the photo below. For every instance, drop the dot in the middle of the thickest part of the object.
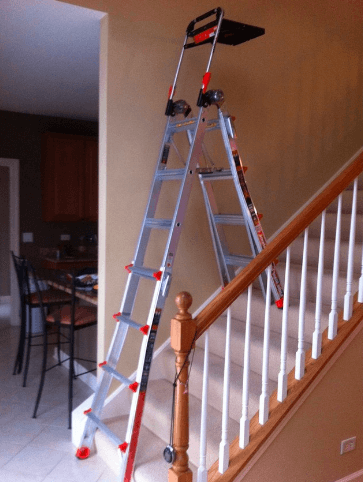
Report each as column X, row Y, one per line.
column 72, row 318
column 29, row 301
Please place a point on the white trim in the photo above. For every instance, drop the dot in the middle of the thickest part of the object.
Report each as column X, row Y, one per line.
column 319, row 191
column 13, row 165
column 352, row 477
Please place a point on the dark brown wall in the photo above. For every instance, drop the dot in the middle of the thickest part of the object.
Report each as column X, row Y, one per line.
column 20, row 138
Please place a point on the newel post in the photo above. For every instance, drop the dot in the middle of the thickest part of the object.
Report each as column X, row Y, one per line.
column 183, row 330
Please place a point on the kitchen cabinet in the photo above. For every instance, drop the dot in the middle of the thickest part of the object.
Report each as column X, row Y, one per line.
column 69, row 177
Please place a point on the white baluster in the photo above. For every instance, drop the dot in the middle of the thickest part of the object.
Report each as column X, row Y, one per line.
column 316, row 348
column 333, row 315
column 244, row 436
column 360, row 291
column 282, row 380
column 348, row 298
column 224, row 445
column 300, row 354
column 202, row 469
column 264, row 398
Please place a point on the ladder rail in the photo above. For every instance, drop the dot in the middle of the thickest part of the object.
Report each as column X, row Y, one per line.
column 231, row 33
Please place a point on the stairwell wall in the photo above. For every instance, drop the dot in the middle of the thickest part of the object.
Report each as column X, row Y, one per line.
column 297, row 96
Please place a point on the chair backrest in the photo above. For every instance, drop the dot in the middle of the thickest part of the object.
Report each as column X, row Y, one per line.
column 21, row 274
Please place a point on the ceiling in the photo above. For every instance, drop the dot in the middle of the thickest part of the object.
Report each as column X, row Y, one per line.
column 49, row 58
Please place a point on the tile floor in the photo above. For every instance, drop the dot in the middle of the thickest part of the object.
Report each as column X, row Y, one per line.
column 39, row 450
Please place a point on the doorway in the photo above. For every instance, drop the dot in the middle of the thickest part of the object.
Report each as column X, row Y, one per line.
column 9, row 235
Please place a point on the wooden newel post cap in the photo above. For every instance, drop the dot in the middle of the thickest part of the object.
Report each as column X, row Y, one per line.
column 183, row 301
column 183, row 326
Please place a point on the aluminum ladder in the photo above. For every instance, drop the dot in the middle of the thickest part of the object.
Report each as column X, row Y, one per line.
column 218, row 30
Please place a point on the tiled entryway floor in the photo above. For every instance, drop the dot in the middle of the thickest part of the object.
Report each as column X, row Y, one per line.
column 37, row 450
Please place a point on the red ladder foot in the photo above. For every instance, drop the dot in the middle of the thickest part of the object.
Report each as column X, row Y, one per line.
column 83, row 453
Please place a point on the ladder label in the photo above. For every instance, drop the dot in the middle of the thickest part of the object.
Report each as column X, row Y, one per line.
column 141, row 395
column 135, row 437
column 254, row 215
column 149, row 351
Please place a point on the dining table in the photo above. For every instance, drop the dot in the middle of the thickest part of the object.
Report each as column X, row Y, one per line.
column 58, row 272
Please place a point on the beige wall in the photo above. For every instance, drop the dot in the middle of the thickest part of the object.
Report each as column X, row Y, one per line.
column 297, row 96
column 308, row 448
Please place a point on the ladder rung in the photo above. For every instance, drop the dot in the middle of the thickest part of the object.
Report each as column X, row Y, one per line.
column 238, row 260
column 133, row 324
column 171, row 174
column 115, row 374
column 215, row 175
column 145, row 272
column 104, row 428
column 189, row 125
column 158, row 223
column 231, row 219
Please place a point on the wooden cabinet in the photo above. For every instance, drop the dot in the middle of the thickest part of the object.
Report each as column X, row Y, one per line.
column 69, row 177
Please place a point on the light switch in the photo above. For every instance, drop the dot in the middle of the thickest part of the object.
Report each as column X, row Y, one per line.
column 27, row 237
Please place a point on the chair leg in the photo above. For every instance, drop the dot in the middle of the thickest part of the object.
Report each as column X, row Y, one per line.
column 18, row 365
column 71, row 377
column 30, row 334
column 44, row 369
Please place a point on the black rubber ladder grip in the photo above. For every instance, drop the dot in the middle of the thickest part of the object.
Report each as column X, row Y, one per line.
column 190, row 29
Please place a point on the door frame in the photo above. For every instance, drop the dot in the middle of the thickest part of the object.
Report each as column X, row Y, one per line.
column 13, row 165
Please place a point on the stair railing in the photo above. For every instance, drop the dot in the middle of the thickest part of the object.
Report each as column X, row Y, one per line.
column 230, row 463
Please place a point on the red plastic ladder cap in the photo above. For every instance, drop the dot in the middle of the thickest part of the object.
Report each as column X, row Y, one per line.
column 83, row 453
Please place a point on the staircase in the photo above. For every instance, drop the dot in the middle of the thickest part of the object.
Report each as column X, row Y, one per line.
column 155, row 431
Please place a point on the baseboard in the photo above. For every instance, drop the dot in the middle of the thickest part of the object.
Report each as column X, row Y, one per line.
column 352, row 477
column 316, row 194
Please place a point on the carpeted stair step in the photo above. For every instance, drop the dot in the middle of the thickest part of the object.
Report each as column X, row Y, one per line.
column 215, row 380
column 157, row 420
column 149, row 463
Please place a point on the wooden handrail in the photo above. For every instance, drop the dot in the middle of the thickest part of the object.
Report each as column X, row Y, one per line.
column 241, row 282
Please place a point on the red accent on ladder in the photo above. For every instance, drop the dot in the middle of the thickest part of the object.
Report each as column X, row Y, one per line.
column 170, row 91
column 83, row 453
column 206, row 79
column 87, row 411
column 135, row 437
column 127, row 267
column 245, row 169
column 102, row 364
column 116, row 315
column 280, row 303
column 144, row 329
column 158, row 275
column 205, row 35
column 260, row 216
column 133, row 387
column 123, row 447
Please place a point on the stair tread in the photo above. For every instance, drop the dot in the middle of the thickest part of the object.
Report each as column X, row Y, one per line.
column 149, row 463
column 158, row 421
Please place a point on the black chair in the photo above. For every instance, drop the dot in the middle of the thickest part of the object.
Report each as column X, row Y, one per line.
column 66, row 321
column 29, row 301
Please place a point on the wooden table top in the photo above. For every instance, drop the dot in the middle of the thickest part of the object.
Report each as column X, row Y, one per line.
column 89, row 296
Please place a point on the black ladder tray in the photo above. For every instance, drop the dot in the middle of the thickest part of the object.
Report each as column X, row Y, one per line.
column 231, row 33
